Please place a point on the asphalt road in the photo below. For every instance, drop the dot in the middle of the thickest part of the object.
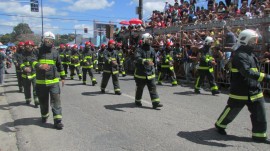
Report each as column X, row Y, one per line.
column 108, row 122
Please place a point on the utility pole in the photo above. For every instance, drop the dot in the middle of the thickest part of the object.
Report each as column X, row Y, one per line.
column 140, row 9
column 99, row 36
column 42, row 32
column 75, row 36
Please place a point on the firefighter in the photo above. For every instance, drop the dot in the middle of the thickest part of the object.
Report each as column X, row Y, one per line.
column 66, row 62
column 95, row 57
column 29, row 73
column 110, row 68
column 144, row 74
column 246, row 88
column 62, row 55
column 49, row 67
column 17, row 58
column 101, row 58
column 206, row 67
column 75, row 59
column 87, row 63
column 167, row 65
column 121, row 58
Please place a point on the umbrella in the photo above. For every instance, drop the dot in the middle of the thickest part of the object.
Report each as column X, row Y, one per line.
column 124, row 22
column 10, row 44
column 135, row 21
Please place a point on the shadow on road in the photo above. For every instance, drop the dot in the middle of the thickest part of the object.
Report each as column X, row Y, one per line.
column 210, row 137
column 11, row 81
column 74, row 84
column 118, row 107
column 12, row 91
column 8, row 127
column 190, row 93
column 10, row 85
column 15, row 104
column 96, row 93
column 126, row 79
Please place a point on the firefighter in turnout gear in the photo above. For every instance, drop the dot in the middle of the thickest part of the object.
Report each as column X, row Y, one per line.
column 75, row 59
column 101, row 58
column 17, row 58
column 110, row 68
column 245, row 88
column 29, row 73
column 167, row 65
column 121, row 58
column 87, row 63
column 206, row 67
column 49, row 67
column 64, row 56
column 145, row 59
column 66, row 62
column 95, row 57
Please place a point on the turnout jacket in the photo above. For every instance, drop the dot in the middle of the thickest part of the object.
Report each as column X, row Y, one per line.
column 101, row 56
column 143, row 55
column 245, row 77
column 17, row 59
column 75, row 58
column 109, row 56
column 51, row 57
column 64, row 56
column 87, row 59
column 27, row 57
column 206, row 59
column 166, row 58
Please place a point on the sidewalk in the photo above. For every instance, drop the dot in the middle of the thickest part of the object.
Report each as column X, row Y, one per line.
column 7, row 129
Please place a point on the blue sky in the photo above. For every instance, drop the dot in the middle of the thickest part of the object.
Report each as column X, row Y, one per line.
column 72, row 14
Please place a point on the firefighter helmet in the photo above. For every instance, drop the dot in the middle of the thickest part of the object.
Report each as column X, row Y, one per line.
column 21, row 43
column 147, row 38
column 208, row 40
column 29, row 42
column 49, row 35
column 248, row 37
column 111, row 42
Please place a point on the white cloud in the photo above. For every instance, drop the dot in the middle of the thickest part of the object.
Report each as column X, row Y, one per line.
column 84, row 5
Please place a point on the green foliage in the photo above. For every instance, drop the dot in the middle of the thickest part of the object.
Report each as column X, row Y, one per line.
column 20, row 30
column 5, row 38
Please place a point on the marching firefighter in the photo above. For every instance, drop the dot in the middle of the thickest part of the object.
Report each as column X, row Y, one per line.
column 145, row 59
column 64, row 56
column 245, row 88
column 17, row 58
column 95, row 57
column 75, row 59
column 29, row 73
column 110, row 68
column 49, row 67
column 167, row 65
column 101, row 58
column 206, row 67
column 87, row 63
column 121, row 58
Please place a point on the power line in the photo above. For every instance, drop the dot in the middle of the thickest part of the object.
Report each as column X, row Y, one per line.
column 57, row 18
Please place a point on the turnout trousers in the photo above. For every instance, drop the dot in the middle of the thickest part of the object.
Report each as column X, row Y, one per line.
column 20, row 80
column 105, row 78
column 51, row 92
column 90, row 72
column 151, row 84
column 210, row 77
column 170, row 72
column 27, row 83
column 72, row 71
column 257, row 115
column 65, row 68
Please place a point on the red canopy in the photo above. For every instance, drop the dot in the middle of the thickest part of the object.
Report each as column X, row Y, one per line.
column 135, row 21
column 124, row 22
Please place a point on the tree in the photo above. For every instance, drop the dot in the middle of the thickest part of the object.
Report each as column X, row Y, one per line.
column 20, row 30
column 5, row 38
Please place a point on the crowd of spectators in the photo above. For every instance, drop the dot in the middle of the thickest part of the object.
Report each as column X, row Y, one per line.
column 182, row 12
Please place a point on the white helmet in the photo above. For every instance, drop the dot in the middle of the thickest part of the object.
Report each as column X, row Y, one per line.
column 49, row 35
column 147, row 38
column 208, row 40
column 247, row 37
